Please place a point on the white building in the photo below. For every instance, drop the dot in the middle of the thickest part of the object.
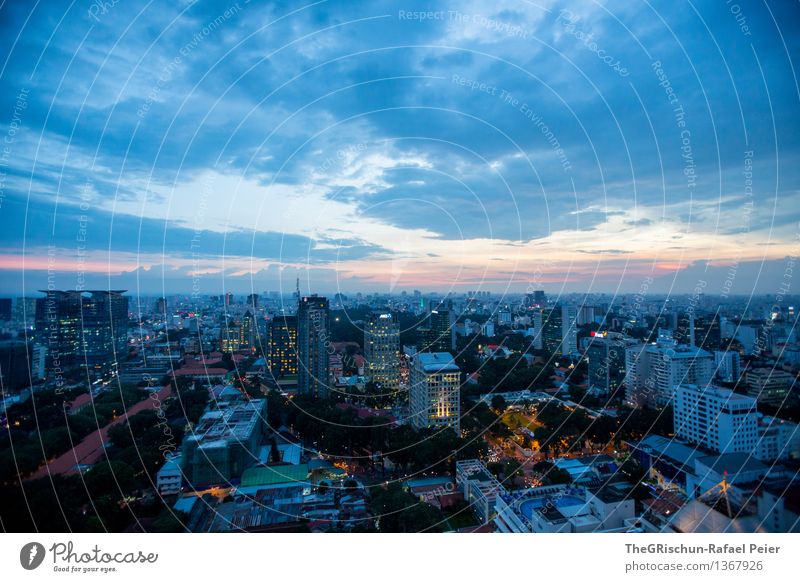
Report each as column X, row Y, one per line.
column 169, row 478
column 564, row 509
column 434, row 393
column 479, row 486
column 725, row 422
column 653, row 372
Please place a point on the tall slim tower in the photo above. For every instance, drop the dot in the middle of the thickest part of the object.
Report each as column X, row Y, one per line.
column 382, row 351
column 313, row 345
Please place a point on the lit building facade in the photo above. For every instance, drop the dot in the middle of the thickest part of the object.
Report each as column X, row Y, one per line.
column 282, row 345
column 382, row 351
column 434, row 394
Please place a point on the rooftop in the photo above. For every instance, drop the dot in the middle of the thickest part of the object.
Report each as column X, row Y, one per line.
column 437, row 362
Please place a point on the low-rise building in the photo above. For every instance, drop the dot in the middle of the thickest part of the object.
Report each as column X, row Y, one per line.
column 564, row 509
column 479, row 486
column 169, row 478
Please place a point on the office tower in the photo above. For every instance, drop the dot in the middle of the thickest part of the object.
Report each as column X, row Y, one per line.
column 105, row 327
column 25, row 310
column 728, row 364
column 434, row 393
column 382, row 351
column 770, row 385
column 282, row 345
column 230, row 338
column 559, row 334
column 5, row 309
column 160, row 307
column 707, row 332
column 14, row 365
column 58, row 326
column 228, row 299
column 76, row 328
column 715, row 418
column 313, row 344
column 248, row 331
column 442, row 334
column 722, row 421
column 606, row 355
column 253, row 301
column 653, row 372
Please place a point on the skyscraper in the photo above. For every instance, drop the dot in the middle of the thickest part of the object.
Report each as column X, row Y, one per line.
column 606, row 355
column 434, row 393
column 559, row 334
column 77, row 328
column 282, row 345
column 653, row 372
column 442, row 335
column 382, row 351
column 313, row 341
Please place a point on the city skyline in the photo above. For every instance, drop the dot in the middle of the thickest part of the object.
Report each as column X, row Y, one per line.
column 444, row 146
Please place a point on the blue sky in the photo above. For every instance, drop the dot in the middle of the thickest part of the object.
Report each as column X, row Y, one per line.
column 501, row 146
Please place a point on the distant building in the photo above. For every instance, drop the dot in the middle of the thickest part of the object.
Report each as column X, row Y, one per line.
column 435, row 391
column 769, row 385
column 82, row 327
column 654, row 371
column 313, row 341
column 441, row 335
column 282, row 345
column 382, row 351
column 728, row 364
column 556, row 327
column 231, row 337
column 5, row 309
column 606, row 355
column 14, row 369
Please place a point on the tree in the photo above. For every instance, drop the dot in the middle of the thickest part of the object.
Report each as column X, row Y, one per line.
column 498, row 403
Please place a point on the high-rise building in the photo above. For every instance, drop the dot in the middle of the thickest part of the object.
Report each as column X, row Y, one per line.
column 558, row 332
column 82, row 327
column 313, row 341
column 25, row 311
column 231, row 337
column 382, row 351
column 606, row 355
column 58, row 327
column 722, row 421
column 434, row 393
column 253, row 301
column 105, row 327
column 14, row 369
column 442, row 336
column 770, row 385
column 282, row 345
column 707, row 332
column 160, row 307
column 728, row 364
column 5, row 309
column 248, row 331
column 654, row 371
